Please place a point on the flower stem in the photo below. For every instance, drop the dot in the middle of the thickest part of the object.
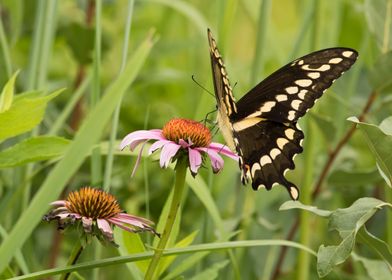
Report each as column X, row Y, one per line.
column 171, row 217
column 77, row 250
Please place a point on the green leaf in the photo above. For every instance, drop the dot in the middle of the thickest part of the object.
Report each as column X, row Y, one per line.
column 191, row 12
column 80, row 39
column 298, row 205
column 162, row 221
column 380, row 247
column 131, row 243
column 186, row 264
column 378, row 16
column 33, row 149
column 380, row 75
column 377, row 270
column 7, row 95
column 347, row 222
column 212, row 272
column 167, row 261
column 326, row 126
column 25, row 113
column 201, row 190
column 86, row 137
column 386, row 126
column 352, row 178
column 380, row 144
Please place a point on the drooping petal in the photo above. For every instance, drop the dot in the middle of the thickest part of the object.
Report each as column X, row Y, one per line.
column 195, row 160
column 139, row 156
column 105, row 227
column 87, row 224
column 58, row 203
column 121, row 225
column 129, row 217
column 157, row 145
column 132, row 227
column 222, row 149
column 129, row 222
column 135, row 138
column 216, row 159
column 168, row 152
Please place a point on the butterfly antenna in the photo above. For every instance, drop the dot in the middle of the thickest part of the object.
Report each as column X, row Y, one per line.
column 209, row 92
column 206, row 118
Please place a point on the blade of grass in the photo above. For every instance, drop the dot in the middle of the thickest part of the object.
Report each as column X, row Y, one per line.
column 189, row 11
column 60, row 120
column 116, row 115
column 5, row 50
column 169, row 252
column 96, row 161
column 86, row 137
column 306, row 192
column 261, row 34
column 96, row 158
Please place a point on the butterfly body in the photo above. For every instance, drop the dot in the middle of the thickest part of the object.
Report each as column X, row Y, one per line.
column 262, row 126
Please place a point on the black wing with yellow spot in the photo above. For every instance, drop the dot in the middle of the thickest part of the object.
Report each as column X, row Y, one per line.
column 262, row 126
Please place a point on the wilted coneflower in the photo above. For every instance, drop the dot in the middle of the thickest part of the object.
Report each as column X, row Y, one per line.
column 97, row 211
column 184, row 142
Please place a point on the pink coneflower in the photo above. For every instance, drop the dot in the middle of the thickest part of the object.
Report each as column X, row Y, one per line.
column 97, row 211
column 181, row 136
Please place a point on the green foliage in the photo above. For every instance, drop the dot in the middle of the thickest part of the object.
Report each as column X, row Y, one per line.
column 379, row 139
column 348, row 222
column 78, row 150
column 25, row 113
column 211, row 272
column 378, row 16
column 380, row 75
column 377, row 270
column 81, row 41
column 7, row 94
column 33, row 149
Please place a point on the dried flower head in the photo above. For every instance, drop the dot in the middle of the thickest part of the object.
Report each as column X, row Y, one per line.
column 97, row 211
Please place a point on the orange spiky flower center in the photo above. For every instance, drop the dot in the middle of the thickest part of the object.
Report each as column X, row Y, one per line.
column 93, row 203
column 184, row 129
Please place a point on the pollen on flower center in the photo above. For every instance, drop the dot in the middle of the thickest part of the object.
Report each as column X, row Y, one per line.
column 92, row 203
column 194, row 131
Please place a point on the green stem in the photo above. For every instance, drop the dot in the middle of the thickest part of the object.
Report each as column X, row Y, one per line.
column 5, row 51
column 116, row 115
column 388, row 198
column 262, row 27
column 306, row 196
column 171, row 217
column 75, row 254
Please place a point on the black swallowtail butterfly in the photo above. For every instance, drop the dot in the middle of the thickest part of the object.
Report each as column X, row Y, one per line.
column 262, row 126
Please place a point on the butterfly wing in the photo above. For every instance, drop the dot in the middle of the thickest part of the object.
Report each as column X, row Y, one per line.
column 287, row 94
column 266, row 151
column 223, row 93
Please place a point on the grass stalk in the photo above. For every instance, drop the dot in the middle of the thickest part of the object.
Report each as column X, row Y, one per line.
column 116, row 115
column 261, row 35
column 5, row 50
column 179, row 185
